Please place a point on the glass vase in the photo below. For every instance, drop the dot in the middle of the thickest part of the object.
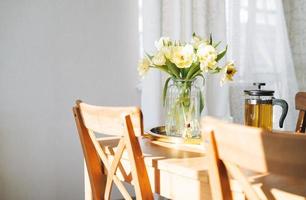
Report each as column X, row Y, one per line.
column 183, row 106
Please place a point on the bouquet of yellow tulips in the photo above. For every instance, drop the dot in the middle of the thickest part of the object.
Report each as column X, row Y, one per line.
column 185, row 62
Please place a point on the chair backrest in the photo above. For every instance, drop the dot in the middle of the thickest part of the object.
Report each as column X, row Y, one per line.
column 300, row 104
column 231, row 146
column 108, row 120
column 116, row 121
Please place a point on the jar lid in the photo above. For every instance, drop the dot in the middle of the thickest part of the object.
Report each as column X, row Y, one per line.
column 259, row 92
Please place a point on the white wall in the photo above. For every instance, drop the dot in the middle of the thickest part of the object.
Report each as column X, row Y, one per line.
column 53, row 52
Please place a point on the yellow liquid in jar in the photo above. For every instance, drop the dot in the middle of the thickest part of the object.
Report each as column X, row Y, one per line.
column 259, row 115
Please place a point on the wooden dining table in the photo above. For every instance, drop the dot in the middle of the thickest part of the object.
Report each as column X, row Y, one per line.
column 180, row 171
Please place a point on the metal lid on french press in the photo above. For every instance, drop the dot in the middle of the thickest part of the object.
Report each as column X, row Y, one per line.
column 259, row 91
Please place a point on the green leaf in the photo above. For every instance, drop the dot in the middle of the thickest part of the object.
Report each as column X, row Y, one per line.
column 149, row 56
column 210, row 39
column 165, row 90
column 215, row 71
column 164, row 68
column 217, row 44
column 173, row 69
column 201, row 102
column 221, row 54
column 193, row 34
column 201, row 94
column 195, row 67
column 202, row 76
column 185, row 72
column 197, row 73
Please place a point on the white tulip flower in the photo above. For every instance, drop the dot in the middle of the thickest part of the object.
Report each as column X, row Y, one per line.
column 183, row 56
column 162, row 42
column 207, row 56
column 159, row 59
column 144, row 66
column 167, row 51
column 229, row 71
column 197, row 41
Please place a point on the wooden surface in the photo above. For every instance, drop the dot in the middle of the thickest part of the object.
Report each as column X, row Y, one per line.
column 236, row 147
column 300, row 105
column 94, row 168
column 138, row 169
column 300, row 101
column 181, row 172
column 170, row 169
column 218, row 177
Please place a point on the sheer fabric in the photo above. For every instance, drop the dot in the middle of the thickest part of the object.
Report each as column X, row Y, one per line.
column 258, row 42
column 255, row 31
column 150, row 86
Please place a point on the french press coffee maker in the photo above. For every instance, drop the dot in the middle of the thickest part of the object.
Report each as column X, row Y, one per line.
column 258, row 108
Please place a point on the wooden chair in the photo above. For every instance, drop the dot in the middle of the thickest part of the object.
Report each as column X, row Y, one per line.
column 114, row 121
column 231, row 146
column 300, row 104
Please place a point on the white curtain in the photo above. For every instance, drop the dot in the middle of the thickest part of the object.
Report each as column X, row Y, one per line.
column 256, row 33
column 258, row 42
column 151, row 86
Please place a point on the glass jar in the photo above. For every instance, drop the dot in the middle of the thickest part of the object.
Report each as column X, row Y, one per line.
column 183, row 106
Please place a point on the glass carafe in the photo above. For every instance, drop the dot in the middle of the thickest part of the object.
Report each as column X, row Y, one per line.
column 258, row 111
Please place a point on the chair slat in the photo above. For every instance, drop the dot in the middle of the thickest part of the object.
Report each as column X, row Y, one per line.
column 240, row 177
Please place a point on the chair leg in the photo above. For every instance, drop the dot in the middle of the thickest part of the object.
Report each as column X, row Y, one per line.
column 301, row 122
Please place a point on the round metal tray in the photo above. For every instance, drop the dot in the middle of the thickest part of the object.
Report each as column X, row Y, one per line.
column 159, row 133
